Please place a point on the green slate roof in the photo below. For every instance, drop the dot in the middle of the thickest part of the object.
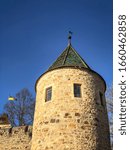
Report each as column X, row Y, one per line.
column 69, row 58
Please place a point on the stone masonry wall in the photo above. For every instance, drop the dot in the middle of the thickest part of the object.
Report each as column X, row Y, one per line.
column 17, row 138
column 67, row 122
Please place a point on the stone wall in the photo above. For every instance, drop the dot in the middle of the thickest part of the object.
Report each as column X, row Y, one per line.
column 67, row 122
column 17, row 138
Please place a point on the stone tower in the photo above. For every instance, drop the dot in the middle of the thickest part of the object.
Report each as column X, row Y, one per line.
column 70, row 111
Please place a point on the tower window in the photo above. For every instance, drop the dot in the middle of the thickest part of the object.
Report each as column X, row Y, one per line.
column 101, row 98
column 77, row 90
column 48, row 94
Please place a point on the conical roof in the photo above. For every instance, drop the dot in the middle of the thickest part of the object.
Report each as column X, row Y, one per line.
column 69, row 58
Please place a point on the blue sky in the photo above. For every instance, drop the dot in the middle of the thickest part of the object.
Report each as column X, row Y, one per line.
column 33, row 33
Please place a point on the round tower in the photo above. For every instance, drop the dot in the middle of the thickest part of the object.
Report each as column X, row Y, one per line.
column 70, row 111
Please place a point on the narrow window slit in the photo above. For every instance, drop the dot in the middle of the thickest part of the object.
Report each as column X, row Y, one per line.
column 48, row 94
column 101, row 98
column 77, row 90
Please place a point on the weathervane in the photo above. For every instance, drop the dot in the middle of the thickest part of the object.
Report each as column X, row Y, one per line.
column 69, row 37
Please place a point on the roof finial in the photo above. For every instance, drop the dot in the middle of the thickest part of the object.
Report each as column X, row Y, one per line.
column 69, row 38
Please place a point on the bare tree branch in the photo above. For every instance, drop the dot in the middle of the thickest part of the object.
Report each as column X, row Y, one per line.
column 21, row 111
column 109, row 100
